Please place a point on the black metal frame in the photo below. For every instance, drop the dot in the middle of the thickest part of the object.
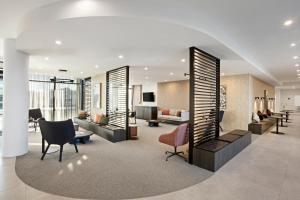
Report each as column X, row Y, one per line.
column 204, row 111
column 118, row 76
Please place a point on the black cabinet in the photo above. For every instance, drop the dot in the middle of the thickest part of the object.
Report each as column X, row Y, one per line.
column 146, row 112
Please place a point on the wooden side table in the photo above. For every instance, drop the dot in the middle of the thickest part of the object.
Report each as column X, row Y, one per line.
column 133, row 129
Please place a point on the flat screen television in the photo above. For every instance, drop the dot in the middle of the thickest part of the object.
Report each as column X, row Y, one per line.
column 148, row 97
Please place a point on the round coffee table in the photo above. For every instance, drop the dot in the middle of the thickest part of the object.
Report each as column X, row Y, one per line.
column 83, row 137
column 153, row 123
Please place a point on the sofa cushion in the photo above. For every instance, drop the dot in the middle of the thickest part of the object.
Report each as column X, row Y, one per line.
column 165, row 111
column 170, row 117
column 98, row 118
column 173, row 112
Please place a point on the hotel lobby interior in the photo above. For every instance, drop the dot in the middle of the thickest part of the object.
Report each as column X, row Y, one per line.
column 127, row 99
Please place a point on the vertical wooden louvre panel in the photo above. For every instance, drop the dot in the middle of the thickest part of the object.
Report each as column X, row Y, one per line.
column 117, row 85
column 204, row 98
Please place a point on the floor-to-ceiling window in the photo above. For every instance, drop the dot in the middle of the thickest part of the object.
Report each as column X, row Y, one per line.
column 57, row 99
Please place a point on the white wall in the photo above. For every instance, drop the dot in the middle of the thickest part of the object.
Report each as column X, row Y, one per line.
column 237, row 112
column 287, row 99
column 150, row 87
column 101, row 78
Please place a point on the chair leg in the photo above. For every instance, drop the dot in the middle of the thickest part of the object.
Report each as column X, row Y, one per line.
column 75, row 145
column 34, row 125
column 60, row 152
column 175, row 153
column 44, row 153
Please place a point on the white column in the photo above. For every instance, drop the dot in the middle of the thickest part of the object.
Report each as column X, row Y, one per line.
column 15, row 100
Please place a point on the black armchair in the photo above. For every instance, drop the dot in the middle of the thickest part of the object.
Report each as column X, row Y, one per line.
column 59, row 133
column 34, row 116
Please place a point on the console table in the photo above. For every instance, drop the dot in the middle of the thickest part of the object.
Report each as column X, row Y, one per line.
column 146, row 112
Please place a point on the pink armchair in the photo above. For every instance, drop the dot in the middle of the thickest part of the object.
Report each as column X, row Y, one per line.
column 176, row 138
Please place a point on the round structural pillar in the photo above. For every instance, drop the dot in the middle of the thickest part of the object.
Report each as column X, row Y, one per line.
column 15, row 100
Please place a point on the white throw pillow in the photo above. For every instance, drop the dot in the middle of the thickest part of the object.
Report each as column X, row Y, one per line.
column 255, row 117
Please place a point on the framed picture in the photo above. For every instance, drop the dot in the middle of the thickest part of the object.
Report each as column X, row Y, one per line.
column 223, row 97
column 97, row 95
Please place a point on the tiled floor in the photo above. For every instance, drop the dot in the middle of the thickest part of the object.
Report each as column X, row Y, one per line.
column 269, row 169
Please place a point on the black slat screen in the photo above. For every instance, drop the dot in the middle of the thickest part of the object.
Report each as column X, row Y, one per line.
column 204, row 98
column 117, row 82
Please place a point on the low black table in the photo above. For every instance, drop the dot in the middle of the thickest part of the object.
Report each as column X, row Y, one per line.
column 83, row 137
column 153, row 123
column 277, row 124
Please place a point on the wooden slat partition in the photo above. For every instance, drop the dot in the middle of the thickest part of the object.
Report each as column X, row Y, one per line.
column 204, row 98
column 117, row 86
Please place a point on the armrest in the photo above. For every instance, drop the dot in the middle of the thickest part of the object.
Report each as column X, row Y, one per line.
column 185, row 116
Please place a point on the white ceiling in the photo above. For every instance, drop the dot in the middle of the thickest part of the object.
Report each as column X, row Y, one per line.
column 247, row 35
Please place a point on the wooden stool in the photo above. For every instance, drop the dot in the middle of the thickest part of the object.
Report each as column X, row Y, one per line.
column 133, row 131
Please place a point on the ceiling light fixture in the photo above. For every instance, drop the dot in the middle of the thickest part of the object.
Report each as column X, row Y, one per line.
column 58, row 42
column 183, row 60
column 47, row 58
column 81, row 72
column 146, row 68
column 293, row 44
column 120, row 56
column 96, row 66
column 288, row 22
column 171, row 73
column 296, row 57
column 296, row 65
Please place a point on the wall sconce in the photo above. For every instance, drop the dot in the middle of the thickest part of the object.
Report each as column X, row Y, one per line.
column 256, row 98
column 262, row 98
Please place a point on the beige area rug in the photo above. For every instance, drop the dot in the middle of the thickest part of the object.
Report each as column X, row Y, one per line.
column 104, row 170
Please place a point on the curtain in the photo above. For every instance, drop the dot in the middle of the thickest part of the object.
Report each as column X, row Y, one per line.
column 66, row 98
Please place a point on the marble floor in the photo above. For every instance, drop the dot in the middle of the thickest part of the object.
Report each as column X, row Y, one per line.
column 269, row 169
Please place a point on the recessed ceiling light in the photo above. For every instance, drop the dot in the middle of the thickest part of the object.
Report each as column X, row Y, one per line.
column 146, row 68
column 183, row 60
column 120, row 56
column 296, row 65
column 97, row 66
column 146, row 77
column 46, row 58
column 293, row 44
column 296, row 57
column 81, row 72
column 288, row 22
column 171, row 73
column 58, row 42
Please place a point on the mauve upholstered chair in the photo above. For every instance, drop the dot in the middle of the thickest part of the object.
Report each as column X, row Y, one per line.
column 176, row 138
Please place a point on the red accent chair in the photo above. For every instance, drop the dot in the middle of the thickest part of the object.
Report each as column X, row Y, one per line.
column 176, row 138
